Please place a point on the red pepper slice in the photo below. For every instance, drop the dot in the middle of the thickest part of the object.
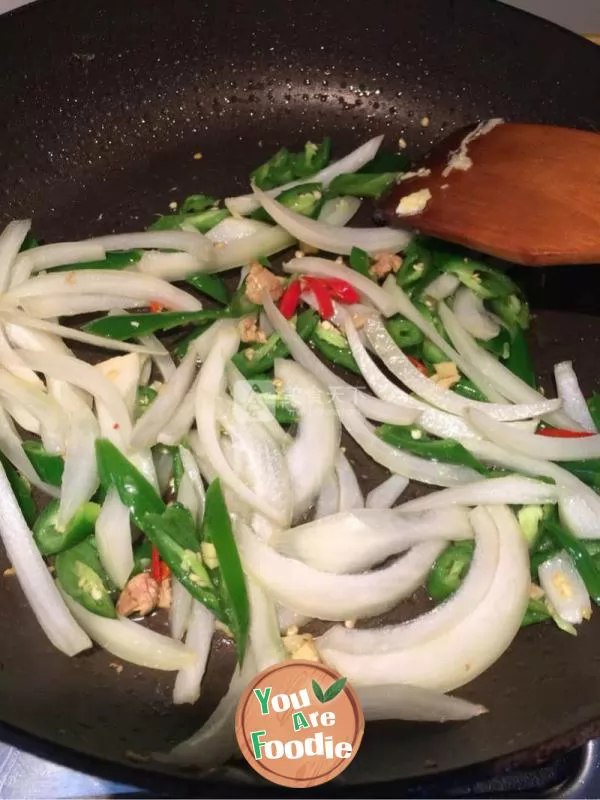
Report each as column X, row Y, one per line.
column 165, row 571
column 342, row 290
column 322, row 295
column 290, row 299
column 155, row 570
column 156, row 307
column 418, row 364
column 563, row 433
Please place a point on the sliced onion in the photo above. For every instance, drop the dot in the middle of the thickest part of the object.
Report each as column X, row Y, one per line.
column 53, row 422
column 11, row 447
column 113, row 537
column 247, row 203
column 191, row 474
column 266, row 241
column 473, row 316
column 214, row 743
column 56, row 255
column 168, row 266
column 530, row 444
column 565, row 588
column 11, row 239
column 24, row 320
column 231, row 229
column 460, row 654
column 399, row 701
column 33, row 576
column 85, row 376
column 328, row 501
column 330, row 237
column 192, row 242
column 208, row 392
column 265, row 638
column 496, row 373
column 10, row 360
column 160, row 354
column 442, row 618
column 335, row 597
column 131, row 641
column 510, row 490
column 324, row 267
column 443, row 286
column 570, row 393
column 204, row 343
column 401, row 366
column 387, row 492
column 405, row 307
column 80, row 474
column 318, row 432
column 289, row 619
column 124, row 373
column 65, row 305
column 180, row 610
column 244, row 395
column 339, row 211
column 125, row 283
column 351, row 496
column 198, row 640
column 174, row 430
column 170, row 396
column 352, row 541
column 22, row 417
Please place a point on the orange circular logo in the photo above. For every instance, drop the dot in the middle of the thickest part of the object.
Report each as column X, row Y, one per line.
column 299, row 724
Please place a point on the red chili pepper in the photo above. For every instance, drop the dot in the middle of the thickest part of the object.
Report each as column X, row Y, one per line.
column 322, row 295
column 155, row 307
column 165, row 571
column 155, row 571
column 418, row 364
column 563, row 433
column 342, row 290
column 290, row 299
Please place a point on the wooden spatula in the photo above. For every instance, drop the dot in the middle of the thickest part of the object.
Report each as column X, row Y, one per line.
column 526, row 193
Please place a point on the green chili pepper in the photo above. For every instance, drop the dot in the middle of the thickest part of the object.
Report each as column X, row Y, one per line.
column 265, row 354
column 277, row 403
column 82, row 577
column 21, row 490
column 142, row 557
column 366, row 184
column 217, row 530
column 195, row 203
column 404, row 332
column 178, row 469
column 144, row 398
column 203, row 221
column 387, row 162
column 313, row 158
column 48, row 466
column 306, row 199
column 431, row 352
column 531, row 523
column 114, row 469
column 334, row 346
column 416, row 264
column 587, row 471
column 537, row 611
column 519, row 359
column 499, row 346
column 210, row 285
column 128, row 326
column 29, row 243
column 450, row 568
column 413, row 440
column 183, row 345
column 513, row 310
column 120, row 259
column 51, row 540
column 284, row 166
column 590, row 574
column 593, row 405
column 360, row 261
column 240, row 305
column 467, row 388
column 486, row 282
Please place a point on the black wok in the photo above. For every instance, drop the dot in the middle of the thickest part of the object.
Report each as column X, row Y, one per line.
column 103, row 104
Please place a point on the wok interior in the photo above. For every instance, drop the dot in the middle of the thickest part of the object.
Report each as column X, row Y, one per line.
column 106, row 139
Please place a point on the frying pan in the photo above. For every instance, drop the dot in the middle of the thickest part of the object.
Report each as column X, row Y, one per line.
column 103, row 105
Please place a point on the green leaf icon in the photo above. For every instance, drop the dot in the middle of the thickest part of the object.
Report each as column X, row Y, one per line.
column 318, row 692
column 335, row 688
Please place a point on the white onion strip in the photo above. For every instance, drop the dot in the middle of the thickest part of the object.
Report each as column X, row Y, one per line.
column 387, row 492
column 37, row 402
column 55, row 255
column 339, row 210
column 113, row 537
column 399, row 701
column 351, row 495
column 335, row 597
column 80, row 474
column 443, row 286
column 330, row 237
column 244, row 395
column 11, row 447
column 473, row 316
column 265, row 241
column 328, row 501
column 247, row 203
column 570, row 393
column 107, row 281
column 265, row 638
column 33, row 576
column 11, row 239
column 192, row 242
column 65, row 305
column 198, row 640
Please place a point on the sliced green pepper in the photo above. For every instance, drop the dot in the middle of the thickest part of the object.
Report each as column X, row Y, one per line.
column 331, row 344
column 240, row 305
column 217, row 530
column 387, row 162
column 450, row 568
column 21, row 490
column 362, row 184
column 183, row 345
column 519, row 359
column 360, row 261
column 284, row 166
column 142, row 557
column 195, row 203
column 413, row 440
column 48, row 466
column 537, row 611
column 264, row 355
column 312, row 159
column 82, row 577
column 306, row 199
column 404, row 332
column 128, row 326
column 50, row 539
column 210, row 285
column 486, row 282
column 467, row 388
column 499, row 346
column 593, row 405
column 513, row 310
column 203, row 221
column 144, row 398
column 119, row 259
column 589, row 572
column 416, row 263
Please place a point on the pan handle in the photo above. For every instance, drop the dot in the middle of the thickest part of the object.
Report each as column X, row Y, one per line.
column 586, row 783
